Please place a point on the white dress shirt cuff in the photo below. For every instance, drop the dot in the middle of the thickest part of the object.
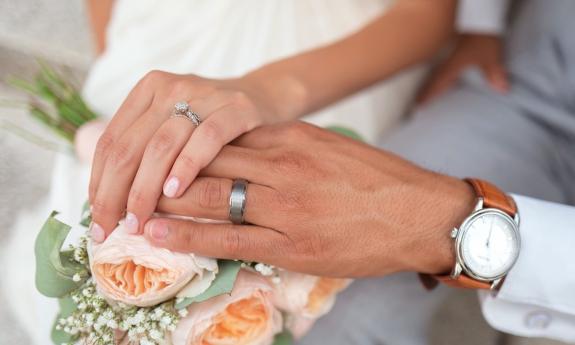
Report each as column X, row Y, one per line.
column 481, row 16
column 537, row 298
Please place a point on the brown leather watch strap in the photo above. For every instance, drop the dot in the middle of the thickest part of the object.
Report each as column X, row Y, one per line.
column 493, row 197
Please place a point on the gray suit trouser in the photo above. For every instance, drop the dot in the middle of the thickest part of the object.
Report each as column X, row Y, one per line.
column 524, row 142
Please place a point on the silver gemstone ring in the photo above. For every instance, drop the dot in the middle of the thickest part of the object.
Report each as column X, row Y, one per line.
column 182, row 109
column 238, row 201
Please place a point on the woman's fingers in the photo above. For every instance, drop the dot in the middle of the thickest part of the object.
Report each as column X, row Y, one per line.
column 157, row 161
column 440, row 82
column 137, row 103
column 218, row 129
column 208, row 197
column 225, row 241
column 119, row 171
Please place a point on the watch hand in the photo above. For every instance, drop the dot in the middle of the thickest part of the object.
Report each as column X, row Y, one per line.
column 489, row 236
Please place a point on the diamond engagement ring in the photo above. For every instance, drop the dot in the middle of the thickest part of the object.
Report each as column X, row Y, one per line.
column 182, row 109
column 238, row 201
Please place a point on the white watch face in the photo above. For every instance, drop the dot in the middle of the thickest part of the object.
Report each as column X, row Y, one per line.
column 489, row 245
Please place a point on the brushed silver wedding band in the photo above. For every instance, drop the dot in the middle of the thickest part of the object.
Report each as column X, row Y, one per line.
column 182, row 109
column 238, row 201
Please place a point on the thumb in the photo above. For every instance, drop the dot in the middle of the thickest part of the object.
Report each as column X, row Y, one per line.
column 439, row 82
column 496, row 76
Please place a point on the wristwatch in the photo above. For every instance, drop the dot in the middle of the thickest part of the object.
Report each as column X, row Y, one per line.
column 486, row 244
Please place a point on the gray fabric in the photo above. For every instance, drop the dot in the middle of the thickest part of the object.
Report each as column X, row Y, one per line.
column 523, row 142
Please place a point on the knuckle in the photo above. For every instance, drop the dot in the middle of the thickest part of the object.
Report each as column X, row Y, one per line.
column 136, row 197
column 231, row 243
column 105, row 142
column 99, row 209
column 298, row 129
column 152, row 78
column 121, row 155
column 241, row 99
column 311, row 247
column 186, row 238
column 288, row 162
column 187, row 163
column 291, row 201
column 211, row 194
column 212, row 132
column 179, row 88
column 161, row 144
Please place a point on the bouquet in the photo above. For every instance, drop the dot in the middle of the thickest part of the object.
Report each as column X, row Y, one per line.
column 125, row 291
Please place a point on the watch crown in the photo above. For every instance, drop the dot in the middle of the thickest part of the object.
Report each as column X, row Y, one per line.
column 454, row 232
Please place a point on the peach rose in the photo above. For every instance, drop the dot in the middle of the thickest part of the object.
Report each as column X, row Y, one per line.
column 86, row 139
column 306, row 295
column 128, row 269
column 246, row 316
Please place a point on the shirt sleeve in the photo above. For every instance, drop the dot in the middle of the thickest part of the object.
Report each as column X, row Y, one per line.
column 537, row 298
column 481, row 16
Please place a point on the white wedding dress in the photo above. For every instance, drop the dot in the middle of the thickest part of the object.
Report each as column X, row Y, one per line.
column 215, row 39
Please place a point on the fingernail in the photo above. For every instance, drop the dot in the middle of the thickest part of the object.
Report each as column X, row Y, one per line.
column 97, row 233
column 131, row 223
column 157, row 230
column 171, row 187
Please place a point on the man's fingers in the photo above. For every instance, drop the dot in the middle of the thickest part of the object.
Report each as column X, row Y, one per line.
column 159, row 156
column 208, row 197
column 224, row 241
column 258, row 139
column 220, row 127
column 238, row 162
column 496, row 76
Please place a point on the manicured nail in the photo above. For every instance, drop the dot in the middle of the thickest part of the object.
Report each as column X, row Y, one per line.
column 171, row 187
column 157, row 230
column 98, row 234
column 131, row 223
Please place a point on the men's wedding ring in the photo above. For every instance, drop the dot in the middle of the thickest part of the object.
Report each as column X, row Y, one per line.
column 182, row 109
column 238, row 201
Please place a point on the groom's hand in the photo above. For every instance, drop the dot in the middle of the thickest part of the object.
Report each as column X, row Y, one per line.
column 319, row 203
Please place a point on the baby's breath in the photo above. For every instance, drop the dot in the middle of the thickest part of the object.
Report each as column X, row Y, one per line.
column 97, row 321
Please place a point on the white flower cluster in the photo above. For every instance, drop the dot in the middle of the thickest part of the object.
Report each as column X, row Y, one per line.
column 265, row 270
column 99, row 322
column 81, row 251
column 80, row 255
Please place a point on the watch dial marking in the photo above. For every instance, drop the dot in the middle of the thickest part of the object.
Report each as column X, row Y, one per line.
column 489, row 246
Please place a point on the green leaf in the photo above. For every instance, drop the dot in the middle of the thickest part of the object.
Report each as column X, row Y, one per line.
column 54, row 269
column 67, row 306
column 224, row 283
column 59, row 336
column 284, row 338
column 86, row 217
column 346, row 131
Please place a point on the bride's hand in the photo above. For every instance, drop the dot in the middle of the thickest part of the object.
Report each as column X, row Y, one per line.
column 144, row 151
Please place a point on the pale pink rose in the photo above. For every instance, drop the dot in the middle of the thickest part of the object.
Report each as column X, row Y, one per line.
column 128, row 269
column 244, row 317
column 306, row 295
column 86, row 139
column 299, row 325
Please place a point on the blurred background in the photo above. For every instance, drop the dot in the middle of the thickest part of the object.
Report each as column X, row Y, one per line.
column 58, row 32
